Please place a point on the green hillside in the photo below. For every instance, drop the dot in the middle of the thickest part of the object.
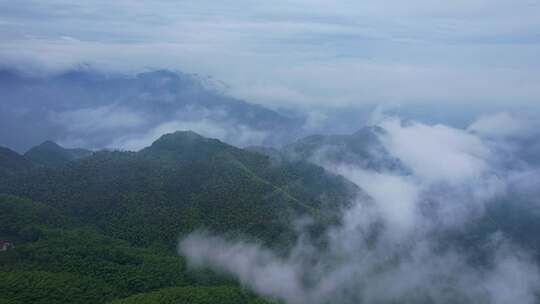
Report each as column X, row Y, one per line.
column 56, row 260
column 181, row 183
column 194, row 295
column 51, row 154
column 105, row 227
column 12, row 162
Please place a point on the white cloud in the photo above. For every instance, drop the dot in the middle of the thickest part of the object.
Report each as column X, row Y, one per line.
column 393, row 246
column 300, row 53
column 257, row 267
column 396, row 197
column 437, row 152
column 500, row 124
column 108, row 118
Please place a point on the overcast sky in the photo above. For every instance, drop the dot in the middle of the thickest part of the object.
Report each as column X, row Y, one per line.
column 301, row 53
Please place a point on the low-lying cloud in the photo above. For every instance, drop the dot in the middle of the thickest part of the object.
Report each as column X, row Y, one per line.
column 415, row 239
column 93, row 109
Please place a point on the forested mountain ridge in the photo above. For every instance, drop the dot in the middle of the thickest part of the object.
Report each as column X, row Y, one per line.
column 11, row 161
column 364, row 148
column 182, row 182
column 105, row 226
column 50, row 153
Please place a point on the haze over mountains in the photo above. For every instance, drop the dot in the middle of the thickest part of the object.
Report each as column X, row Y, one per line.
column 446, row 218
column 340, row 152
column 258, row 203
column 85, row 108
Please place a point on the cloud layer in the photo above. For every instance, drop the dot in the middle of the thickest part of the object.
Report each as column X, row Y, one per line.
column 91, row 109
column 417, row 239
column 298, row 53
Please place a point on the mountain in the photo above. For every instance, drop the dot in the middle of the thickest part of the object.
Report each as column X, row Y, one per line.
column 182, row 182
column 92, row 109
column 510, row 215
column 104, row 227
column 11, row 161
column 363, row 148
column 50, row 153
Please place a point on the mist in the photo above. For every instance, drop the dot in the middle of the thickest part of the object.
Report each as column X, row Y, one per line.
column 88, row 108
column 344, row 152
column 419, row 235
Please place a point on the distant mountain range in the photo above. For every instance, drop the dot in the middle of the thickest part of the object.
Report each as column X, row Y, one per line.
column 91, row 109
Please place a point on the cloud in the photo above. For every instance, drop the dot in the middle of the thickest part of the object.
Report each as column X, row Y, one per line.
column 257, row 267
column 88, row 108
column 104, row 118
column 407, row 241
column 513, row 278
column 501, row 124
column 437, row 152
column 299, row 53
column 398, row 206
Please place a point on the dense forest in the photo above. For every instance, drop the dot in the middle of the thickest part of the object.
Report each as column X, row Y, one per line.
column 103, row 227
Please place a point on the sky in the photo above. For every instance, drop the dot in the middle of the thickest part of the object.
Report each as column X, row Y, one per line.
column 297, row 53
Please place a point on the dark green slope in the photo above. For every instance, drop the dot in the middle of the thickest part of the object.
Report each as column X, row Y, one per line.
column 57, row 260
column 39, row 287
column 12, row 162
column 107, row 222
column 51, row 154
column 185, row 182
column 194, row 295
column 18, row 215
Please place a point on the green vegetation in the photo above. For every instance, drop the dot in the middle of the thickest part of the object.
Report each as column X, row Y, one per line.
column 181, row 183
column 11, row 162
column 51, row 154
column 105, row 227
column 58, row 261
column 51, row 288
column 194, row 295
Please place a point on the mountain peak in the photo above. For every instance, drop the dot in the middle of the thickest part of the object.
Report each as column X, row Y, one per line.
column 184, row 145
column 47, row 146
column 49, row 153
column 50, row 144
column 177, row 138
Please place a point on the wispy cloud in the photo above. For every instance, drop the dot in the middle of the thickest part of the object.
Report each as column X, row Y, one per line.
column 296, row 52
column 409, row 242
